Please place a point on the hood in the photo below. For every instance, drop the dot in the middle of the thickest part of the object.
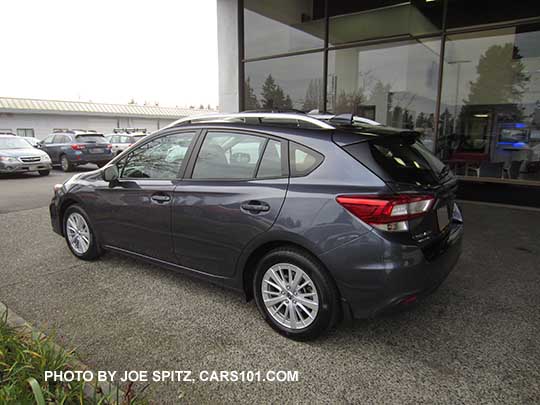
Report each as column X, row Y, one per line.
column 30, row 151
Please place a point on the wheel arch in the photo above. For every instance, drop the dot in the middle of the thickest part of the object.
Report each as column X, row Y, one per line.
column 248, row 262
column 66, row 203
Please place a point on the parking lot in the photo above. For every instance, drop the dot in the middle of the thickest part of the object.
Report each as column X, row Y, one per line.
column 474, row 341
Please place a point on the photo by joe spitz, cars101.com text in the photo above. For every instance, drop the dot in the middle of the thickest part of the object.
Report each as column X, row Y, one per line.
column 270, row 201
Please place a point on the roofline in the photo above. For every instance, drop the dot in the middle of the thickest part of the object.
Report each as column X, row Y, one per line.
column 21, row 105
column 95, row 102
column 85, row 113
column 224, row 118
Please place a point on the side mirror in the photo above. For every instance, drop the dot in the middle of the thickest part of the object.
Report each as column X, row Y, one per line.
column 110, row 173
column 38, row 145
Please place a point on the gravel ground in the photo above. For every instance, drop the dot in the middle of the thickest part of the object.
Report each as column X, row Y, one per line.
column 475, row 341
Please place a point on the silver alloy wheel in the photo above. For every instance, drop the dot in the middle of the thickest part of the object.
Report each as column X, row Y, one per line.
column 64, row 162
column 78, row 233
column 290, row 296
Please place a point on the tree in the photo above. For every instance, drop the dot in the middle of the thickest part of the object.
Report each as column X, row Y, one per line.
column 250, row 99
column 201, row 107
column 501, row 77
column 313, row 98
column 421, row 121
column 349, row 102
column 273, row 96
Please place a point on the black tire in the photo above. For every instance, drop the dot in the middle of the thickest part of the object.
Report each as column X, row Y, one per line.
column 65, row 164
column 44, row 172
column 329, row 311
column 93, row 250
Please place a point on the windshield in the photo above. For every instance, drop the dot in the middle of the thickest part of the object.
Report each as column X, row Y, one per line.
column 91, row 138
column 13, row 143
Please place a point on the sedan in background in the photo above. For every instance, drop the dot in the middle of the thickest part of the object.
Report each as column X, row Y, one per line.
column 74, row 148
column 18, row 156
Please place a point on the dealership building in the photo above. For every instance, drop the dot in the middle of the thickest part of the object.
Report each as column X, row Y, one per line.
column 39, row 118
column 465, row 74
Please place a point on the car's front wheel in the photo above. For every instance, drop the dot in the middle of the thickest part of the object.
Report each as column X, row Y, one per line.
column 80, row 236
column 295, row 294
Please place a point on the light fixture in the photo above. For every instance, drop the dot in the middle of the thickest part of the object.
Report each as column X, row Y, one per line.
column 481, row 115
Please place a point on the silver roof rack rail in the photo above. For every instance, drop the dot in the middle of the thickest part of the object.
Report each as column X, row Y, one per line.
column 230, row 118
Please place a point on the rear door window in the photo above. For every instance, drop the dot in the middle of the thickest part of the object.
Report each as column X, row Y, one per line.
column 271, row 163
column 61, row 139
column 228, row 155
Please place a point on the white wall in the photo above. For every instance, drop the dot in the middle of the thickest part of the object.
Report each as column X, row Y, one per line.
column 43, row 124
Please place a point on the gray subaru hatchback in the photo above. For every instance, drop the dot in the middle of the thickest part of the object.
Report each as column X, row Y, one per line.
column 317, row 220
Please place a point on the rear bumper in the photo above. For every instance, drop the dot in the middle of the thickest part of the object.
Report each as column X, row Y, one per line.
column 374, row 275
column 90, row 158
column 24, row 167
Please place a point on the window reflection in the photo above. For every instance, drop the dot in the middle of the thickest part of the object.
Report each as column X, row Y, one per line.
column 358, row 20
column 293, row 82
column 281, row 26
column 463, row 13
column 490, row 105
column 395, row 84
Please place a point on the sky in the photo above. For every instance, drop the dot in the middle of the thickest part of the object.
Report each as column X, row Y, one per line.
column 111, row 51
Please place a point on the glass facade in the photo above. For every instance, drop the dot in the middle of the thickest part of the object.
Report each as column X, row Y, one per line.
column 465, row 74
column 394, row 84
column 292, row 82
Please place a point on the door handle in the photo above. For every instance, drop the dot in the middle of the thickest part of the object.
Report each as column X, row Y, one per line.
column 255, row 206
column 161, row 198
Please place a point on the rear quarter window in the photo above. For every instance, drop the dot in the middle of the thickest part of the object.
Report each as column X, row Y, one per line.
column 303, row 160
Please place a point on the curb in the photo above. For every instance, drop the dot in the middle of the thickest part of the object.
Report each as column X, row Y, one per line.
column 94, row 389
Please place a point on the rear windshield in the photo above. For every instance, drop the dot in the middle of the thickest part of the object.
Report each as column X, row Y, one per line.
column 91, row 138
column 400, row 159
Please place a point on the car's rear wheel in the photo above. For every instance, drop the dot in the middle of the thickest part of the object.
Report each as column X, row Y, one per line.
column 44, row 172
column 295, row 294
column 66, row 165
column 79, row 234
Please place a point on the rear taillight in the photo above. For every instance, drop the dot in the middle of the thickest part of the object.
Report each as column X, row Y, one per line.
column 77, row 146
column 388, row 213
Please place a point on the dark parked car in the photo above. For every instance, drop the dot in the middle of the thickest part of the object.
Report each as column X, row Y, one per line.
column 72, row 148
column 315, row 220
column 17, row 156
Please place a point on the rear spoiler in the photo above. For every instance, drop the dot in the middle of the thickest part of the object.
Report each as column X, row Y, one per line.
column 346, row 135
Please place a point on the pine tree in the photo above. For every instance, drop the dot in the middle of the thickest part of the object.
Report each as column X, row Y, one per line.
column 273, row 96
column 501, row 77
column 269, row 93
column 250, row 99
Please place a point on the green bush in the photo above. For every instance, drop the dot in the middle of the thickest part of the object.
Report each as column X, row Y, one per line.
column 23, row 362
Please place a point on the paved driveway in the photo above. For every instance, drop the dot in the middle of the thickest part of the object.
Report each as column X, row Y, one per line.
column 24, row 191
column 476, row 340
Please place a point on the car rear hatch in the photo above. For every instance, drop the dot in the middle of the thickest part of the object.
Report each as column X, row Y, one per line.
column 92, row 144
column 409, row 169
